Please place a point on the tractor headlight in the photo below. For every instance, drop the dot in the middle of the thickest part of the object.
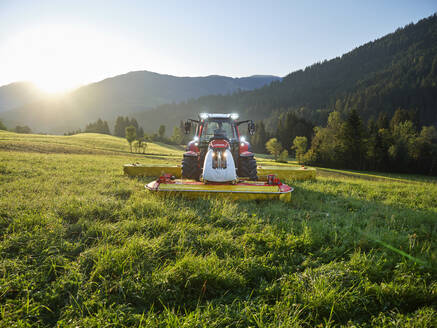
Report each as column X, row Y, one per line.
column 196, row 144
column 242, row 139
column 235, row 116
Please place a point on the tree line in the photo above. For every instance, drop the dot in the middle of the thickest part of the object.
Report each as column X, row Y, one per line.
column 288, row 126
column 398, row 145
column 346, row 142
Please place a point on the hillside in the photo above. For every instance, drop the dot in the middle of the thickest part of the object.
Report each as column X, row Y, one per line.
column 17, row 94
column 119, row 95
column 83, row 143
column 85, row 246
column 398, row 70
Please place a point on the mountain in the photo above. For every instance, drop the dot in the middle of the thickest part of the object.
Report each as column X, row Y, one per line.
column 135, row 91
column 398, row 70
column 120, row 95
column 17, row 94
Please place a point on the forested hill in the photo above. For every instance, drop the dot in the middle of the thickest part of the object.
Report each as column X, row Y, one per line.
column 398, row 70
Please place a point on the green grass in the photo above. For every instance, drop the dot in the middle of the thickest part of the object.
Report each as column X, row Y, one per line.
column 84, row 143
column 83, row 245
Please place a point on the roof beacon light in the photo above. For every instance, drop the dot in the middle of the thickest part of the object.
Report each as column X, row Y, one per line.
column 235, row 116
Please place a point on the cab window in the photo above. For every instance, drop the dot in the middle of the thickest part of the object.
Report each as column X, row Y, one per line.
column 211, row 126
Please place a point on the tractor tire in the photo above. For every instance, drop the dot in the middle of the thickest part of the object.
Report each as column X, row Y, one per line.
column 247, row 168
column 190, row 168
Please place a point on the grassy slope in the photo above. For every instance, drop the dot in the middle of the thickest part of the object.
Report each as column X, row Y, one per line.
column 84, row 143
column 83, row 245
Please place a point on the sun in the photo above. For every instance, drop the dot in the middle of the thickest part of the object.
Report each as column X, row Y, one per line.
column 58, row 57
column 54, row 84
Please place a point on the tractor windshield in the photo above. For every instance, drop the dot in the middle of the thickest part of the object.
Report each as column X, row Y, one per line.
column 211, row 126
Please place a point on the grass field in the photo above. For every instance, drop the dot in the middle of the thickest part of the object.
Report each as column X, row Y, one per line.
column 82, row 245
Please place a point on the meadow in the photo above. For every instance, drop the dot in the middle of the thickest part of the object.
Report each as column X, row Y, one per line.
column 82, row 245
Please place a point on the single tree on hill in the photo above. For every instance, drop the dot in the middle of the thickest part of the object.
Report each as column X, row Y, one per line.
column 131, row 135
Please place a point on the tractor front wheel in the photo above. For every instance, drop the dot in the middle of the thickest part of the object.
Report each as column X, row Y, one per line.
column 247, row 168
column 190, row 168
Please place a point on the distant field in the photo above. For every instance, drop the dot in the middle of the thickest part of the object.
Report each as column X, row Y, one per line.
column 83, row 245
column 84, row 143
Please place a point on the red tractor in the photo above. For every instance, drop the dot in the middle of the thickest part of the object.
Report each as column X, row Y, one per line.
column 218, row 152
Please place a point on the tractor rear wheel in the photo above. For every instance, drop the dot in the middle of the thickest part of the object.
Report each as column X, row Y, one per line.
column 247, row 168
column 190, row 168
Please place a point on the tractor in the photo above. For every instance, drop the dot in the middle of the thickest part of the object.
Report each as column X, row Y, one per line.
column 218, row 151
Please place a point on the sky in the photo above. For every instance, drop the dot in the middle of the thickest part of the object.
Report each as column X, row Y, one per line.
column 60, row 44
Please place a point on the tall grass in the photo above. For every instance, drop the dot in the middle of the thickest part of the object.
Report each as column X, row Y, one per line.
column 83, row 245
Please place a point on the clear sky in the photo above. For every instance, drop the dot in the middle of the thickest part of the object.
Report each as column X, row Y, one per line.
column 62, row 44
